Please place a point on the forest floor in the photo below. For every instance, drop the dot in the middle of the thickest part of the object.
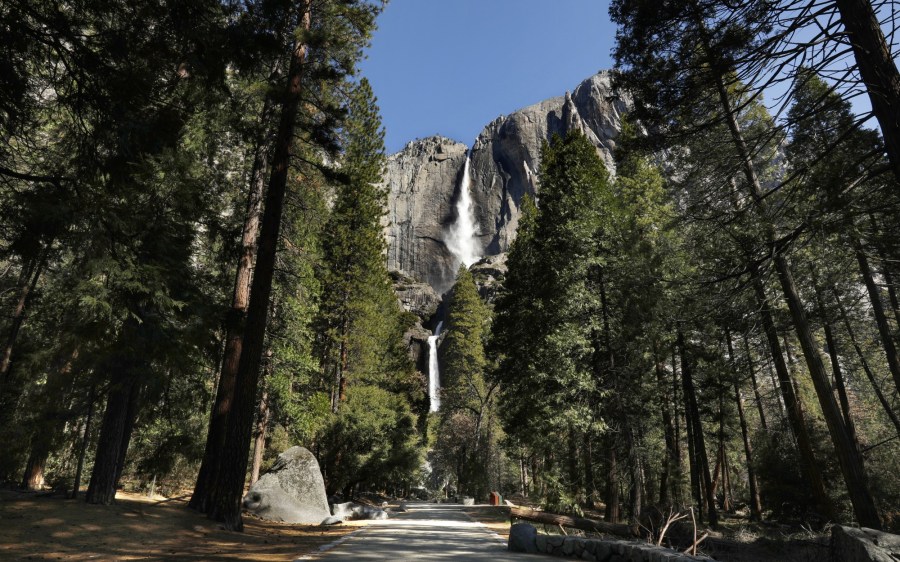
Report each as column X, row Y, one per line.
column 495, row 518
column 736, row 540
column 33, row 527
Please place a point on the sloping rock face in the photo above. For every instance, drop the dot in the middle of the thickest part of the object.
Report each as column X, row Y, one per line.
column 489, row 274
column 424, row 178
column 421, row 180
column 506, row 155
column 292, row 492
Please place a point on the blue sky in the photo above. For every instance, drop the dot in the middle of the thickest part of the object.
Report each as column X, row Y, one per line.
column 451, row 66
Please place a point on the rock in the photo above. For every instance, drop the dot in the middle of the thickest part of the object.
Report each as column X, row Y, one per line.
column 415, row 296
column 489, row 273
column 522, row 538
column 506, row 155
column 368, row 512
column 421, row 192
column 864, row 545
column 468, row 501
column 402, row 508
column 292, row 491
column 332, row 521
column 423, row 179
column 342, row 510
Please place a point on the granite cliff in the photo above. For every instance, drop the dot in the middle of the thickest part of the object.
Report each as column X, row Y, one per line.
column 423, row 179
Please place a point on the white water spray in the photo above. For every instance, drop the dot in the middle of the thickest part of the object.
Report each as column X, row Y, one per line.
column 461, row 238
column 434, row 374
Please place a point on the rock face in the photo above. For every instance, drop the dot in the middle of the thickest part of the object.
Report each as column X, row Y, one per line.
column 423, row 179
column 489, row 273
column 292, row 491
column 415, row 296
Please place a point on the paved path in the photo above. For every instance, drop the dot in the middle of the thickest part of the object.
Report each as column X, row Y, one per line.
column 428, row 532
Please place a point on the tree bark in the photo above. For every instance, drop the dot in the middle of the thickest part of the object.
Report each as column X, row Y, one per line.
column 612, row 485
column 50, row 425
column 259, row 442
column 636, row 469
column 234, row 323
column 693, row 414
column 877, row 70
column 529, row 514
column 757, row 397
column 755, row 504
column 865, row 365
column 670, row 459
column 84, row 442
column 587, row 453
column 884, row 329
column 851, row 465
column 808, row 464
column 854, row 477
column 102, row 486
column 233, row 469
column 28, row 281
column 836, row 369
column 678, row 470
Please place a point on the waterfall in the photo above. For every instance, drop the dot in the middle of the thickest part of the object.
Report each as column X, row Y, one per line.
column 461, row 238
column 434, row 374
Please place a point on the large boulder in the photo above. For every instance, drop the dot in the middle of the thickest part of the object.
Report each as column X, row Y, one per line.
column 292, row 491
column 522, row 538
column 864, row 545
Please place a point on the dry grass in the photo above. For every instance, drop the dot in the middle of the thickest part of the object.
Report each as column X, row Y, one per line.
column 495, row 518
column 140, row 528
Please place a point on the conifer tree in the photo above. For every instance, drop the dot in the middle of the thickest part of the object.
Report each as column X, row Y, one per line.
column 467, row 397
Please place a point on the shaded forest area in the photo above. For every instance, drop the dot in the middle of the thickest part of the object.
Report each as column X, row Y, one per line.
column 194, row 279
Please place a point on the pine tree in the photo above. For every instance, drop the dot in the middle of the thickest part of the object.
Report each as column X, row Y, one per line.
column 467, row 397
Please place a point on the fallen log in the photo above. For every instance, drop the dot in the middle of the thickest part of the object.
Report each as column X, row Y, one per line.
column 618, row 529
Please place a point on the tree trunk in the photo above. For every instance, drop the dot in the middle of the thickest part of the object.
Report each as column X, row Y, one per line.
column 877, row 70
column 233, row 470
column 860, row 497
column 49, row 427
column 851, row 465
column 259, row 442
column 884, row 329
column 693, row 414
column 234, row 323
column 637, row 476
column 28, row 281
column 590, row 484
column 572, row 458
column 694, row 466
column 678, row 470
column 102, row 486
column 758, row 398
column 755, row 504
column 605, row 527
column 836, row 370
column 865, row 365
column 523, row 477
column 84, row 442
column 128, row 429
column 612, row 484
column 670, row 459
column 795, row 417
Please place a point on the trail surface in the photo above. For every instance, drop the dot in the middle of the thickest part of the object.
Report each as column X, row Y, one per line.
column 427, row 532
